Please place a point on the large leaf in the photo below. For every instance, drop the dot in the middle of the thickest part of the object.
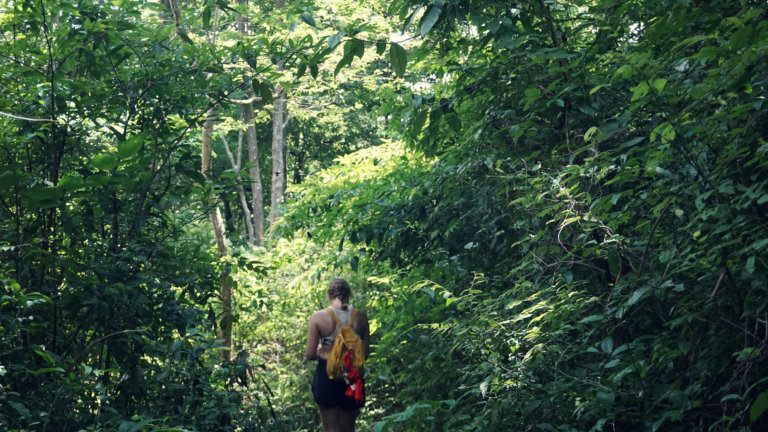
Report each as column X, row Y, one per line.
column 43, row 196
column 207, row 16
column 104, row 162
column 759, row 406
column 307, row 18
column 130, row 147
column 429, row 19
column 8, row 179
column 335, row 39
column 398, row 58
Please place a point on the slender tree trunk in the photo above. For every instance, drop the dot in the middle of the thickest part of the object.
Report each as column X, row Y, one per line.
column 279, row 121
column 225, row 329
column 240, row 189
column 257, row 191
column 278, row 155
column 229, row 224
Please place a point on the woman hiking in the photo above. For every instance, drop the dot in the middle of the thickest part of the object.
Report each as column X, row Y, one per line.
column 338, row 403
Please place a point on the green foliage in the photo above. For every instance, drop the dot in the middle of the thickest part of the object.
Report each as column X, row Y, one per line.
column 571, row 237
column 591, row 236
column 109, row 283
column 102, row 291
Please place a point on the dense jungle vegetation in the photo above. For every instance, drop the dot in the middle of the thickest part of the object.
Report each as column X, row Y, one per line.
column 555, row 212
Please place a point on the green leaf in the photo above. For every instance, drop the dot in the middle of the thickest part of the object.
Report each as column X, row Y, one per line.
column 606, row 398
column 596, row 88
column 607, row 345
column 20, row 408
column 215, row 68
column 46, row 356
column 659, row 84
column 666, row 131
column 381, row 47
column 345, row 61
column 759, row 245
column 130, row 426
column 301, row 70
column 398, row 58
column 307, row 18
column 632, row 142
column 313, row 70
column 639, row 91
column 265, row 90
column 494, row 26
column 354, row 47
column 223, row 4
column 532, row 95
column 759, row 406
column 46, row 370
column 335, row 40
column 750, row 266
column 194, row 176
column 207, row 16
column 70, row 182
column 591, row 318
column 623, row 72
column 43, row 197
column 104, row 162
column 9, row 178
column 418, row 122
column 591, row 131
column 184, row 36
column 130, row 147
column 429, row 19
column 636, row 296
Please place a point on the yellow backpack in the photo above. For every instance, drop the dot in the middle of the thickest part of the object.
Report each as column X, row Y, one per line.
column 346, row 340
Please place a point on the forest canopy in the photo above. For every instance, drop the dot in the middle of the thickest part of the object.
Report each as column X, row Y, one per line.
column 555, row 213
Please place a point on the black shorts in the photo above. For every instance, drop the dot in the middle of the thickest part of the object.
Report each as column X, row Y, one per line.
column 329, row 393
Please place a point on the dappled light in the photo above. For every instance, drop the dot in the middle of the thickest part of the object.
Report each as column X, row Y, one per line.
column 553, row 215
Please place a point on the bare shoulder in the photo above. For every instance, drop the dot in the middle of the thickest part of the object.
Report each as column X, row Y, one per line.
column 320, row 316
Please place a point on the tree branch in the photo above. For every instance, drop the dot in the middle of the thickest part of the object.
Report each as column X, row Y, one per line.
column 245, row 101
column 229, row 153
column 17, row 117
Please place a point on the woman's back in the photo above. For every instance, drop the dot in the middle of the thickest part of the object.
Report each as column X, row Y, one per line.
column 337, row 410
column 328, row 330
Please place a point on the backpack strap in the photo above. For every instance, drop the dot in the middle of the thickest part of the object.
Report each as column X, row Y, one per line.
column 334, row 317
column 338, row 322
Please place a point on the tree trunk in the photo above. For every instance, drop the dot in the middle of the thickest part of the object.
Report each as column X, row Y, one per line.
column 247, row 219
column 278, row 155
column 225, row 329
column 229, row 224
column 279, row 122
column 257, row 192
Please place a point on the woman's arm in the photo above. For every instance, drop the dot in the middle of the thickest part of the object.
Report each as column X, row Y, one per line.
column 313, row 337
